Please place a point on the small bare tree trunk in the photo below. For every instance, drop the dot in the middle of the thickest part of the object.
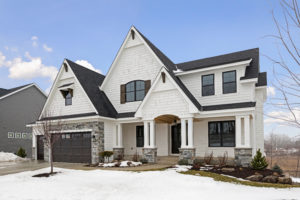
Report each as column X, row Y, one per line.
column 51, row 156
column 297, row 170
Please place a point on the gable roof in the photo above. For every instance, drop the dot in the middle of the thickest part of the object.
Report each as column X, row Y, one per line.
column 90, row 82
column 170, row 66
column 5, row 92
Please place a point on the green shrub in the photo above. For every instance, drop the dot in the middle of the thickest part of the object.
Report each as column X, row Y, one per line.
column 259, row 161
column 21, row 153
column 183, row 162
column 277, row 169
column 144, row 160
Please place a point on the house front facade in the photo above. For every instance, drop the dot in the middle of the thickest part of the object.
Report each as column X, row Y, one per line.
column 150, row 106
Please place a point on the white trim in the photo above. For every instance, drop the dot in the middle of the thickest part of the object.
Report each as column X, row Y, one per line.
column 72, row 131
column 74, row 119
column 225, row 112
column 192, row 107
column 23, row 88
column 121, row 50
column 234, row 64
column 251, row 80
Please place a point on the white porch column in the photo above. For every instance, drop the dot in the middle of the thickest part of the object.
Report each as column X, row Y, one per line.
column 190, row 133
column 247, row 130
column 238, row 131
column 183, row 133
column 146, row 134
column 152, row 134
column 120, row 136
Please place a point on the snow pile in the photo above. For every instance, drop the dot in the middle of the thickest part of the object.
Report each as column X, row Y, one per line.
column 111, row 185
column 295, row 180
column 182, row 168
column 121, row 164
column 9, row 157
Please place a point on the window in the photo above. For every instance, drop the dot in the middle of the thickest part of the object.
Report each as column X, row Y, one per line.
column 208, row 87
column 229, row 82
column 221, row 134
column 140, row 136
column 10, row 135
column 68, row 99
column 135, row 91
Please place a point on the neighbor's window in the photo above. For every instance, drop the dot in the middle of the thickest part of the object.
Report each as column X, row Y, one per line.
column 229, row 82
column 68, row 99
column 140, row 136
column 135, row 91
column 208, row 87
column 221, row 134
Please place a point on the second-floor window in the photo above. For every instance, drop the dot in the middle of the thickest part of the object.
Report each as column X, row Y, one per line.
column 208, row 87
column 135, row 91
column 229, row 82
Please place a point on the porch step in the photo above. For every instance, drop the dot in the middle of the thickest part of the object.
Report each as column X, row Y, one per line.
column 167, row 160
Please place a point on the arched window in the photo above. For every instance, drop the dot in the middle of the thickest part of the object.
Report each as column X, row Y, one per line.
column 135, row 91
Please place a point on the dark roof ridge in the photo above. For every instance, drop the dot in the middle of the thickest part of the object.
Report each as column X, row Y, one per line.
column 68, row 60
column 213, row 57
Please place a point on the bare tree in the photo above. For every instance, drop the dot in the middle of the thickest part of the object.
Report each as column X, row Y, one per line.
column 51, row 129
column 286, row 68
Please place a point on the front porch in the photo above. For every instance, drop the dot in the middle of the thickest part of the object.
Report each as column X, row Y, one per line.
column 181, row 138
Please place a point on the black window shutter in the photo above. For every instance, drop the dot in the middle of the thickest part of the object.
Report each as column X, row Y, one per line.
column 147, row 86
column 122, row 94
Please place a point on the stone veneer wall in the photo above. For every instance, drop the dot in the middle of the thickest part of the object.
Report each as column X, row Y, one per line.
column 97, row 137
column 243, row 156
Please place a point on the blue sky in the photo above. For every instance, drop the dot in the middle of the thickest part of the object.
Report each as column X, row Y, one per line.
column 46, row 32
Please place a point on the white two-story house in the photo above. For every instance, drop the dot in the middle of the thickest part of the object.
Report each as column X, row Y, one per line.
column 148, row 105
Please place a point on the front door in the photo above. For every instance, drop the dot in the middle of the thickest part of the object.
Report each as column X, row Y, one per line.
column 176, row 138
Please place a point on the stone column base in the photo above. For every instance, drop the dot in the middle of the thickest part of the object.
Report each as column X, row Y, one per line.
column 243, row 156
column 150, row 154
column 118, row 153
column 187, row 154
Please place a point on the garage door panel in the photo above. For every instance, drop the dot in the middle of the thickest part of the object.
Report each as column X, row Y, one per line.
column 73, row 147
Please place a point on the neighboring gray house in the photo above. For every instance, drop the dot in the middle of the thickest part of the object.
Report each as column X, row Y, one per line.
column 19, row 106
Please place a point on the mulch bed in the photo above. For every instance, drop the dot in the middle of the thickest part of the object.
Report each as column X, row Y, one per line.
column 45, row 174
column 241, row 172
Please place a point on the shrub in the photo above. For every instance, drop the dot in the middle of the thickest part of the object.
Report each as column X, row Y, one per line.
column 144, row 160
column 223, row 159
column 277, row 169
column 106, row 154
column 259, row 161
column 21, row 153
column 183, row 162
column 208, row 158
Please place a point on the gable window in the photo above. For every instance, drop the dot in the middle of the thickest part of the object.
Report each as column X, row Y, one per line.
column 229, row 82
column 68, row 95
column 208, row 87
column 135, row 91
column 221, row 134
column 140, row 136
column 68, row 99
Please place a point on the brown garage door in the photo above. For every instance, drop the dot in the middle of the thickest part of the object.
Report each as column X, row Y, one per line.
column 73, row 147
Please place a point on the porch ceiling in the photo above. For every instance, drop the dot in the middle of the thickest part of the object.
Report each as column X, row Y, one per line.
column 166, row 119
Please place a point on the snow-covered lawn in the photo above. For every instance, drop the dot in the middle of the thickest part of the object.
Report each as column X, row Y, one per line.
column 122, row 164
column 9, row 157
column 107, row 184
